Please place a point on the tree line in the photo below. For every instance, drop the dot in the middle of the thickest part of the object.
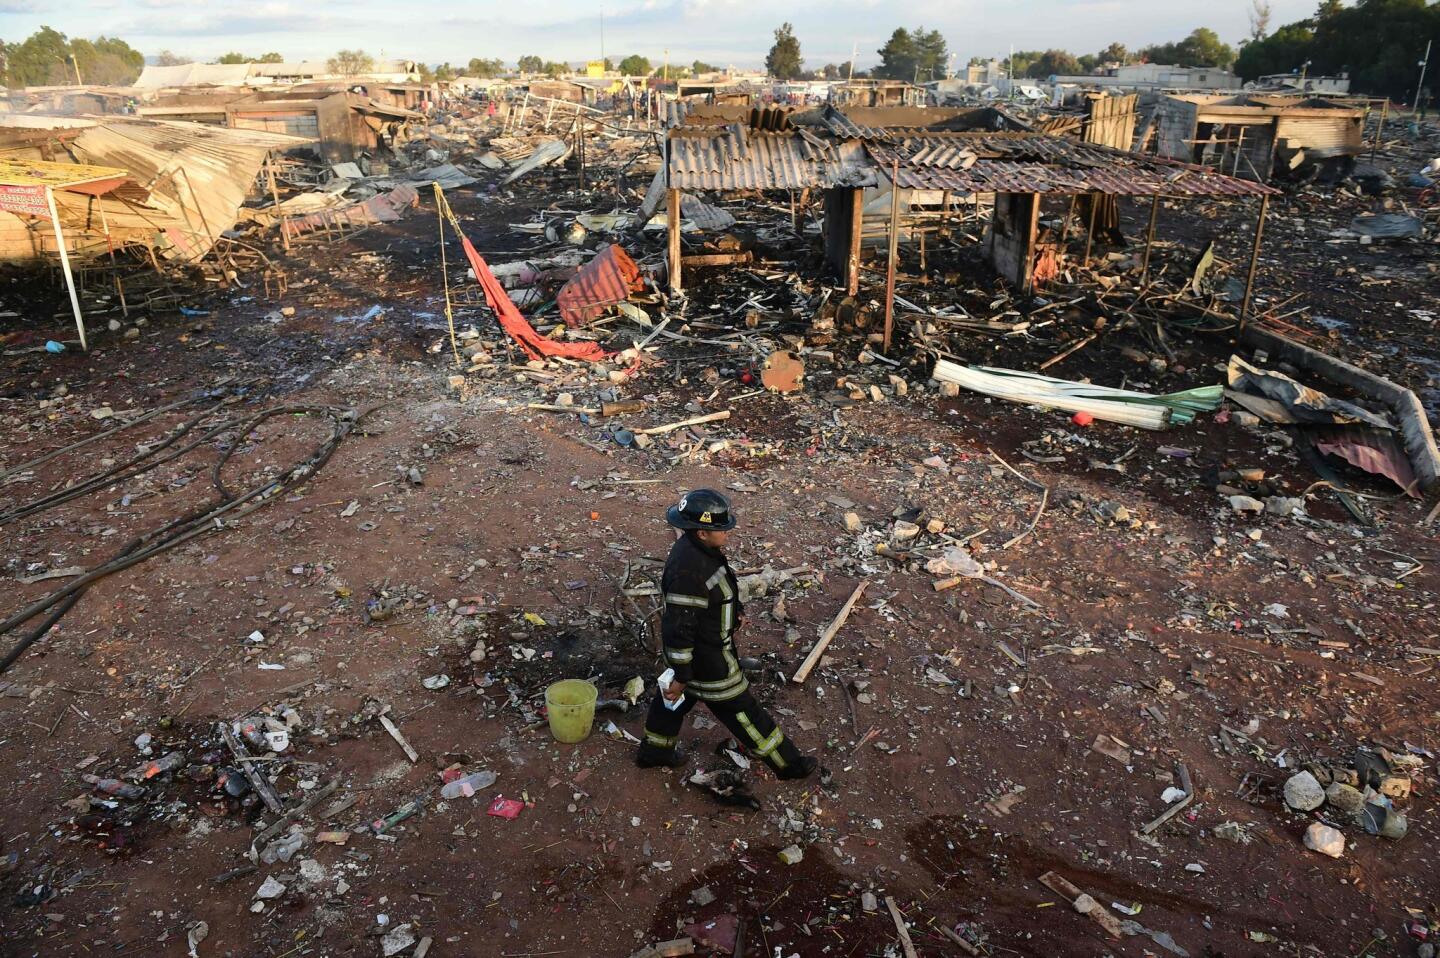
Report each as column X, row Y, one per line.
column 1377, row 42
column 48, row 57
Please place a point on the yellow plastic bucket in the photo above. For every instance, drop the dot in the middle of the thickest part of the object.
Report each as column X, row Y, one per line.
column 571, row 707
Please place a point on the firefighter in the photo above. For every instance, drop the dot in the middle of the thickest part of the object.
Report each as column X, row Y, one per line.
column 702, row 612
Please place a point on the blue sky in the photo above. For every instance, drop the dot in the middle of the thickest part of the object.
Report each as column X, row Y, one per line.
column 724, row 32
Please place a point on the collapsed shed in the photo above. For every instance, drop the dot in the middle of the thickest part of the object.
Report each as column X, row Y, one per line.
column 1257, row 137
column 189, row 181
column 957, row 156
column 342, row 125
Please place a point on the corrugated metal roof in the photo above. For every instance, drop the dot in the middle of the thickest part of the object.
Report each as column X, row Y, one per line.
column 734, row 158
column 198, row 175
column 965, row 162
column 607, row 279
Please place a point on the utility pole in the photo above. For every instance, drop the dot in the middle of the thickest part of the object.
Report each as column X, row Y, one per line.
column 602, row 36
column 667, row 66
column 1421, row 82
column 76, row 60
column 854, row 52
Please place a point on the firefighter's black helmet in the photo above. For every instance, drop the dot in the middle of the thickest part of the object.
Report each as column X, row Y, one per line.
column 701, row 509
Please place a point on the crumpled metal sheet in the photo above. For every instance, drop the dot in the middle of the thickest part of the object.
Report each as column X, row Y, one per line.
column 1300, row 401
column 611, row 277
column 380, row 208
column 1377, row 453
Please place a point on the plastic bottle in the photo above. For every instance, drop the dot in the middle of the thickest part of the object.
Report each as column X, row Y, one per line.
column 468, row 785
column 251, row 732
column 165, row 763
column 113, row 786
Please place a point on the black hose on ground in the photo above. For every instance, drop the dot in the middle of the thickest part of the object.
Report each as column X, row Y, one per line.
column 206, row 520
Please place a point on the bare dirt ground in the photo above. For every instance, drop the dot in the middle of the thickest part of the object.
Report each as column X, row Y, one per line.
column 957, row 726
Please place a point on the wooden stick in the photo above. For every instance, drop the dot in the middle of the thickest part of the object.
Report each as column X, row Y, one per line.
column 551, row 407
column 319, row 795
column 1083, row 903
column 1174, row 809
column 257, row 778
column 1044, row 499
column 905, row 943
column 802, row 673
column 400, row 739
column 693, row 421
column 1075, row 347
column 965, row 946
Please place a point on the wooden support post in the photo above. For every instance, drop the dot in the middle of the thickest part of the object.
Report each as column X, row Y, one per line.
column 852, row 257
column 580, row 134
column 1254, row 261
column 1091, row 215
column 114, row 267
column 1380, row 130
column 275, row 196
column 1150, row 238
column 574, row 137
column 1065, row 223
column 65, row 266
column 672, row 236
column 890, row 260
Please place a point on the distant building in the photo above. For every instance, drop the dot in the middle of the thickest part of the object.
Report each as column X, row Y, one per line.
column 1298, row 83
column 1155, row 76
column 984, row 74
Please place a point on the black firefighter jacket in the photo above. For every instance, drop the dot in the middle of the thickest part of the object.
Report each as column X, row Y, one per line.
column 702, row 610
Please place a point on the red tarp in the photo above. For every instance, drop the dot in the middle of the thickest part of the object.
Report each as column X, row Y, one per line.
column 607, row 279
column 514, row 323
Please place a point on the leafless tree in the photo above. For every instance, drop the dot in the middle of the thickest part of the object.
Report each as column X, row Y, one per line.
column 1259, row 19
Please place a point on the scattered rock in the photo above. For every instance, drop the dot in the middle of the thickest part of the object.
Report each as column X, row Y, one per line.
column 903, row 530
column 1345, row 799
column 269, row 889
column 1325, row 840
column 852, row 522
column 397, row 940
column 1303, row 792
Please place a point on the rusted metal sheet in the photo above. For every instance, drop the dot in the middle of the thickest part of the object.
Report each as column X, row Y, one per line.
column 607, row 279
